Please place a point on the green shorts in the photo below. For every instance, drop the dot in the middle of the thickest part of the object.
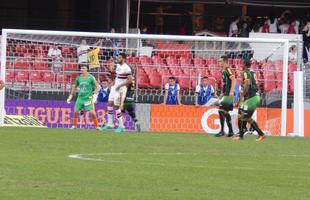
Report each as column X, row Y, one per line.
column 250, row 104
column 86, row 104
column 227, row 103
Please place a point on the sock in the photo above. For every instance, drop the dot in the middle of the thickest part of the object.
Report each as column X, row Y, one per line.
column 241, row 126
column 75, row 119
column 95, row 120
column 119, row 116
column 133, row 116
column 256, row 128
column 222, row 120
column 110, row 115
column 228, row 121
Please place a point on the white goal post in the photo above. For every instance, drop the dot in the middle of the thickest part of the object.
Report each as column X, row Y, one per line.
column 200, row 47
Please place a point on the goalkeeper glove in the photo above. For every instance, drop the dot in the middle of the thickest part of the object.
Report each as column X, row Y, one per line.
column 69, row 99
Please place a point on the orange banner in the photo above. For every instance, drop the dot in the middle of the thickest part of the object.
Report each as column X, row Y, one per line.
column 307, row 124
column 191, row 119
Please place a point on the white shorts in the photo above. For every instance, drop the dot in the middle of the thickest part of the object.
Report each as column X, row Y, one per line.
column 118, row 96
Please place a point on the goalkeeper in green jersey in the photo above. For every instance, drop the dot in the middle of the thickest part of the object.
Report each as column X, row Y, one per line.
column 129, row 104
column 87, row 95
column 249, row 101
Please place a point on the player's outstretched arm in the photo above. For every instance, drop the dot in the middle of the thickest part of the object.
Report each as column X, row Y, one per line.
column 73, row 89
column 96, row 91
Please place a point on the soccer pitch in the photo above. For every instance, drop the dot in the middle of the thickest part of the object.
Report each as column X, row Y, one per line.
column 35, row 164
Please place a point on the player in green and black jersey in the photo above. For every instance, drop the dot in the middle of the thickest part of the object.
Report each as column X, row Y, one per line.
column 129, row 104
column 249, row 101
column 227, row 100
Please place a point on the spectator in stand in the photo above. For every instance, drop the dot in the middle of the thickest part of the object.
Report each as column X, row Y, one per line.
column 244, row 29
column 233, row 28
column 93, row 56
column 292, row 55
column 297, row 25
column 104, row 92
column 82, row 51
column 284, row 22
column 55, row 57
column 284, row 28
column 306, row 39
column 205, row 93
column 146, row 42
column 2, row 85
column 172, row 92
column 115, row 44
column 273, row 24
column 291, row 29
column 265, row 27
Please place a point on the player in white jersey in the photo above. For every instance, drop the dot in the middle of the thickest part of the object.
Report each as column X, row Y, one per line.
column 118, row 93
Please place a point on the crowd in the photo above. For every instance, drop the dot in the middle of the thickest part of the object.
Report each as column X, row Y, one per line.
column 286, row 23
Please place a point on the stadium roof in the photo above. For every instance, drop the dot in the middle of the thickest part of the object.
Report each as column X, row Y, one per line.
column 282, row 3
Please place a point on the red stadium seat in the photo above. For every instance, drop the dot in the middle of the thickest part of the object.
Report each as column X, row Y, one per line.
column 144, row 60
column 199, row 62
column 150, row 70
column 22, row 77
column 187, row 70
column 48, row 77
column 172, row 61
column 40, row 64
column 20, row 63
column 269, row 85
column 133, row 60
column 35, row 77
column 164, row 71
column 185, row 62
column 143, row 81
column 184, row 83
column 158, row 61
column 62, row 78
column 9, row 76
column 202, row 71
column 176, row 71
column 155, row 81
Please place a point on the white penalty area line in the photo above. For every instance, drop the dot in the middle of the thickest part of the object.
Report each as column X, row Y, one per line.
column 114, row 158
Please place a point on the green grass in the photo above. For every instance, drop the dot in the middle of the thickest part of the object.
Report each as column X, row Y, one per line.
column 34, row 164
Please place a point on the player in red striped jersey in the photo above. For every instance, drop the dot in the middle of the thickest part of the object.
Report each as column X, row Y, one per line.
column 118, row 94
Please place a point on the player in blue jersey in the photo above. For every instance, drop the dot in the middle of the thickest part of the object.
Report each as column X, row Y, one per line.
column 104, row 92
column 205, row 93
column 172, row 92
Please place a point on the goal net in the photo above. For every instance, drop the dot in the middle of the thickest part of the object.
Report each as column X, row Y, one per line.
column 33, row 71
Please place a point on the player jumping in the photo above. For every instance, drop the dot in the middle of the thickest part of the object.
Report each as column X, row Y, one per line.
column 86, row 95
column 227, row 100
column 249, row 101
column 118, row 94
